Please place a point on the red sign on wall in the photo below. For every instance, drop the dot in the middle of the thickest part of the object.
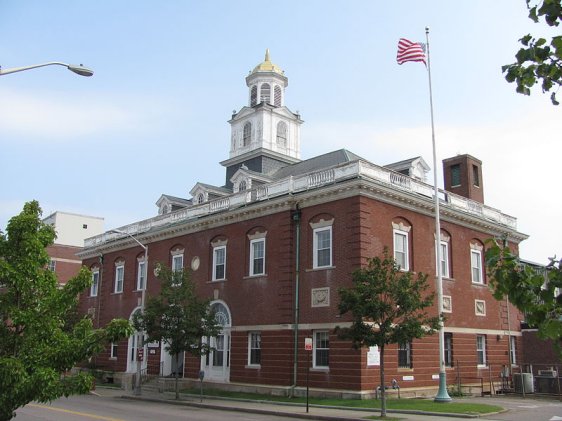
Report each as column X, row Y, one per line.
column 308, row 344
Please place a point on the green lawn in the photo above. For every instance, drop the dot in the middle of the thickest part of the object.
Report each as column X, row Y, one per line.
column 458, row 406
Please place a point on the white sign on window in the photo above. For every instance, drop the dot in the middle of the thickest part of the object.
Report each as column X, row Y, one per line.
column 373, row 356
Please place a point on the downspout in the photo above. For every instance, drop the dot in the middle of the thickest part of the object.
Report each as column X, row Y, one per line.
column 296, row 217
column 98, row 298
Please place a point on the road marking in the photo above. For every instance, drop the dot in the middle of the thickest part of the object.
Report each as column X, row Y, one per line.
column 68, row 411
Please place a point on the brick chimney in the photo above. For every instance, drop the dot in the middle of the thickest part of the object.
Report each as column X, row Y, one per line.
column 463, row 176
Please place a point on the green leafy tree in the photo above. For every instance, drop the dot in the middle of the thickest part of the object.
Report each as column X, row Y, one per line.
column 534, row 291
column 388, row 306
column 38, row 343
column 538, row 60
column 178, row 317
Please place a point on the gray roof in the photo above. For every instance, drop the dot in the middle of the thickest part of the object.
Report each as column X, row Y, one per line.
column 178, row 200
column 319, row 162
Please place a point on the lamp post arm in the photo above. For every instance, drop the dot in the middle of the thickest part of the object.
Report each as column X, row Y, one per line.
column 79, row 70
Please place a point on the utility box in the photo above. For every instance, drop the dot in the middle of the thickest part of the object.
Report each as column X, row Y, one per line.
column 523, row 382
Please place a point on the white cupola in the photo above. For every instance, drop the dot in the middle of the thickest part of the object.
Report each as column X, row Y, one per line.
column 266, row 124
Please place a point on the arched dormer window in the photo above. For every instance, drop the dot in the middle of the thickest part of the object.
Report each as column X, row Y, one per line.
column 282, row 134
column 254, row 96
column 200, row 198
column 242, row 186
column 265, row 93
column 277, row 96
column 247, row 138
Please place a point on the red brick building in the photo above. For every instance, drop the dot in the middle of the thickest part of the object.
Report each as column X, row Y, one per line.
column 273, row 245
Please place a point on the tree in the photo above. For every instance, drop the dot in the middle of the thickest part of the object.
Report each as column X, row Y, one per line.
column 39, row 343
column 534, row 291
column 539, row 61
column 178, row 317
column 387, row 307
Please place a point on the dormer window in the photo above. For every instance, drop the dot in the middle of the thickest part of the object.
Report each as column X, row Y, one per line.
column 242, row 186
column 265, row 93
column 247, row 138
column 200, row 198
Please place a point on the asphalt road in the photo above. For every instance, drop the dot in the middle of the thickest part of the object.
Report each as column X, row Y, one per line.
column 91, row 407
column 106, row 406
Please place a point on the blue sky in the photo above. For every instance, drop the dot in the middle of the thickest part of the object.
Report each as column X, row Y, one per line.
column 153, row 118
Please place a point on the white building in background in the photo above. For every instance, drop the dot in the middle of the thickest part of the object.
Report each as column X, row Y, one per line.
column 71, row 231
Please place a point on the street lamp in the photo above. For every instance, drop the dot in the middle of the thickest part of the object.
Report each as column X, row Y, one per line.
column 78, row 69
column 140, row 339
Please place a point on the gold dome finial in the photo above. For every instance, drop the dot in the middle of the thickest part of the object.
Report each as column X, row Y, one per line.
column 267, row 65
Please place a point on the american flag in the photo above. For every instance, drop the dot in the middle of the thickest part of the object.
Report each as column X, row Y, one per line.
column 410, row 51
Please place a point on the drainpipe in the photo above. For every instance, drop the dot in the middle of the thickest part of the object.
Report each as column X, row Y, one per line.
column 296, row 217
column 98, row 297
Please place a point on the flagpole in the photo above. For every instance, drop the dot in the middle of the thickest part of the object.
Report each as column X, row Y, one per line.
column 442, row 394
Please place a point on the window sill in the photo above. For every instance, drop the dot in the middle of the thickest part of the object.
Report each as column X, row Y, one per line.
column 479, row 284
column 113, row 358
column 319, row 369
column 261, row 275
column 405, row 370
column 217, row 281
column 481, row 366
column 117, row 293
column 320, row 268
column 253, row 366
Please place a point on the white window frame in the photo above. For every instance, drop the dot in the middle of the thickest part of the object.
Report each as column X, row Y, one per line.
column 119, row 278
column 481, row 350
column 320, row 335
column 317, row 250
column 448, row 348
column 141, row 275
column 444, row 259
column 476, row 270
column 216, row 263
column 254, row 343
column 95, row 283
column 176, row 267
column 513, row 350
column 52, row 265
column 113, row 350
column 403, row 235
column 253, row 249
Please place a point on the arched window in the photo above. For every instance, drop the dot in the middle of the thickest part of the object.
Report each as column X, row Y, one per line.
column 200, row 198
column 277, row 96
column 254, row 96
column 282, row 134
column 222, row 315
column 242, row 185
column 247, row 138
column 265, row 93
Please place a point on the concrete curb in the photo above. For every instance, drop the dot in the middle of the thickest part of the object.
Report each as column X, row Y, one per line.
column 266, row 411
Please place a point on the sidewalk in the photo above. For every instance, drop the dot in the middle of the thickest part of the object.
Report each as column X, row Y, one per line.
column 287, row 410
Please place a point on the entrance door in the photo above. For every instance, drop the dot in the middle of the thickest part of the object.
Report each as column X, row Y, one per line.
column 177, row 365
column 216, row 364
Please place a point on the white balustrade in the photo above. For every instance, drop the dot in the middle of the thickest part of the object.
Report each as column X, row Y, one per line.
column 295, row 184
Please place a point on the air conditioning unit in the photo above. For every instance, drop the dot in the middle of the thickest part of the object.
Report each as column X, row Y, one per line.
column 547, row 373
